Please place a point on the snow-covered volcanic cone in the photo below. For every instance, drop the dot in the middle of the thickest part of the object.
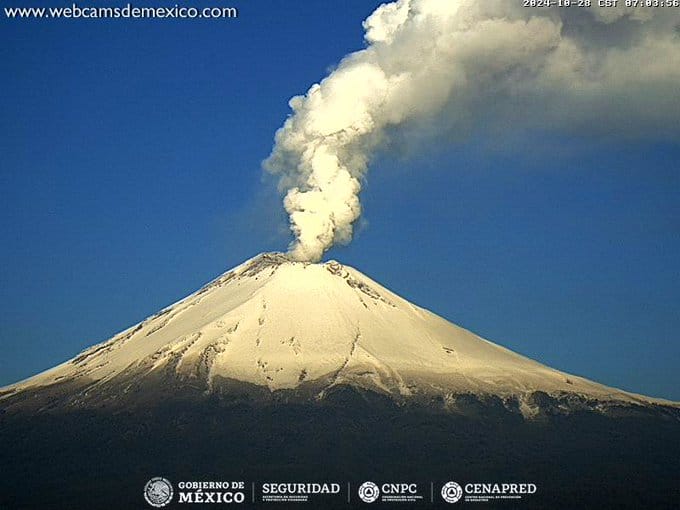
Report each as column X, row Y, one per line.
column 272, row 326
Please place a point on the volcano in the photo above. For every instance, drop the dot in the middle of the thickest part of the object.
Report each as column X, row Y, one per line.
column 276, row 360
column 275, row 325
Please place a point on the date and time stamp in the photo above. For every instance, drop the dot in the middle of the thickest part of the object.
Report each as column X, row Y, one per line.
column 602, row 3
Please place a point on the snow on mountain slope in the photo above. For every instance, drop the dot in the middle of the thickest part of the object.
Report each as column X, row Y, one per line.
column 280, row 324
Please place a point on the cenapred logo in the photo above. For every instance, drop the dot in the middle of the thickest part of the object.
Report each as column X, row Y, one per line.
column 158, row 492
column 452, row 492
column 369, row 492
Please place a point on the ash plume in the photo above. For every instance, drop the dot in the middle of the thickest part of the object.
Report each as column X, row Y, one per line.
column 450, row 65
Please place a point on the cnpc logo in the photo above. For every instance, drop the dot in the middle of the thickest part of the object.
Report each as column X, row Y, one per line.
column 370, row 492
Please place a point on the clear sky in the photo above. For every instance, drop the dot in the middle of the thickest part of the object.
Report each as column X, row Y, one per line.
column 130, row 175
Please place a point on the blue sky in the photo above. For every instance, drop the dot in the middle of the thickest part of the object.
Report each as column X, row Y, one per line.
column 130, row 176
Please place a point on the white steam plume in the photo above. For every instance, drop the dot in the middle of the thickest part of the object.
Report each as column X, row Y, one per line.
column 453, row 64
